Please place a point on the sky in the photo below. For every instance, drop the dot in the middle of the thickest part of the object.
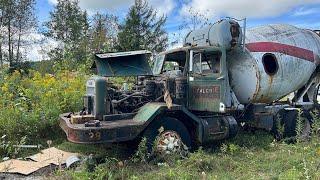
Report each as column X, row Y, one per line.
column 301, row 13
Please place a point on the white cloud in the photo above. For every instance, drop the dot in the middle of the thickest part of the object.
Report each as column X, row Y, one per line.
column 54, row 2
column 34, row 45
column 244, row 8
column 37, row 46
column 104, row 4
column 161, row 6
column 304, row 11
column 96, row 5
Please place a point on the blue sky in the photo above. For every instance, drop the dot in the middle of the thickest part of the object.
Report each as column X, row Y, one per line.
column 43, row 7
column 304, row 14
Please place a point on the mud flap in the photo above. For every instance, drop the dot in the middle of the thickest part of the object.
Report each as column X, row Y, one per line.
column 233, row 126
column 219, row 128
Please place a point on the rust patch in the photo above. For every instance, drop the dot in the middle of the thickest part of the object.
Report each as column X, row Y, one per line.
column 258, row 87
column 266, row 98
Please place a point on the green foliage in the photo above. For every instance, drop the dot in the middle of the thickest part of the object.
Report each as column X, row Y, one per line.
column 299, row 126
column 141, row 154
column 229, row 148
column 69, row 25
column 316, row 122
column 248, row 156
column 17, row 18
column 11, row 148
column 142, row 29
column 103, row 33
column 30, row 105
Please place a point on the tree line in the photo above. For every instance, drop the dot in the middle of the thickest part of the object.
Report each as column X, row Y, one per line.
column 17, row 17
column 79, row 35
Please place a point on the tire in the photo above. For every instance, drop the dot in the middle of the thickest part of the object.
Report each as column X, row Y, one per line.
column 167, row 125
column 289, row 120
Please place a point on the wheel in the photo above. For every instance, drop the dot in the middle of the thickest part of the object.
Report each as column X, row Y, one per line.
column 289, row 121
column 166, row 136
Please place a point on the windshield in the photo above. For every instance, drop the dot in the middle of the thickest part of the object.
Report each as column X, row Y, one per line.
column 158, row 64
column 174, row 61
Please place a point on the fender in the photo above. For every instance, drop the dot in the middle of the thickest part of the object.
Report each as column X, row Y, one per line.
column 202, row 130
column 151, row 111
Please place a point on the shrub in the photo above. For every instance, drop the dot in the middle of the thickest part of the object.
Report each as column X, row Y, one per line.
column 316, row 122
column 30, row 105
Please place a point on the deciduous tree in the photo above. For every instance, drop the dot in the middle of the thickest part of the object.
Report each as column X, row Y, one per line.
column 69, row 25
column 17, row 18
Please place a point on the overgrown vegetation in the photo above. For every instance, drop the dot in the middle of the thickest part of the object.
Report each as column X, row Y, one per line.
column 30, row 105
column 248, row 156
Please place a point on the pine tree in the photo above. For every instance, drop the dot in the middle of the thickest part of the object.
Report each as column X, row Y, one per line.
column 103, row 33
column 142, row 29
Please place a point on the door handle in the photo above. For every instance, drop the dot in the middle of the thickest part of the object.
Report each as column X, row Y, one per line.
column 220, row 78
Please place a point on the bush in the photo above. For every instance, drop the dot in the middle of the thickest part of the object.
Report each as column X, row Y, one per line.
column 30, row 105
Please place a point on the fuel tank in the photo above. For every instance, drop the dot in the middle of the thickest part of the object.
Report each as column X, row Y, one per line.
column 225, row 33
column 276, row 60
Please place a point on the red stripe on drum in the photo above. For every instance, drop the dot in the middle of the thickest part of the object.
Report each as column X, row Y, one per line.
column 282, row 48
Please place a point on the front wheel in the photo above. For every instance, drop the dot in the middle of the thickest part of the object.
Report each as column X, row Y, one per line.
column 166, row 136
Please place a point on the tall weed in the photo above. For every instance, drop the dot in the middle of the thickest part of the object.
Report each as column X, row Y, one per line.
column 30, row 104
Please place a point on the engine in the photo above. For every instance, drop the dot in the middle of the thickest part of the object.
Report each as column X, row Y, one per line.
column 104, row 98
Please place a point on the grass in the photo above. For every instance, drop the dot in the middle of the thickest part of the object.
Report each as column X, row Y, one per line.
column 248, row 156
column 30, row 107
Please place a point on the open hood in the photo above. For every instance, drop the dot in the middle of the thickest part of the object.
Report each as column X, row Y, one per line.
column 131, row 63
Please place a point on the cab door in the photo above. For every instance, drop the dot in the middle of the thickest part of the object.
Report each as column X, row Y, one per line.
column 207, row 80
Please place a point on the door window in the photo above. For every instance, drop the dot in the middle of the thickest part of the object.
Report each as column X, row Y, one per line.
column 206, row 63
column 197, row 63
column 212, row 63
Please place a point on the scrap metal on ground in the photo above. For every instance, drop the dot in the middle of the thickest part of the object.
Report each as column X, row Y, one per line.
column 47, row 157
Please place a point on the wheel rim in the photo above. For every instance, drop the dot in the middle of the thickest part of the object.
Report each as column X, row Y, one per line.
column 169, row 142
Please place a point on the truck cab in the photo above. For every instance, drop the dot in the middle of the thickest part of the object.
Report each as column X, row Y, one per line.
column 206, row 74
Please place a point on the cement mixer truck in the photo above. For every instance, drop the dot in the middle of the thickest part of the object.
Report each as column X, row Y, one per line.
column 224, row 76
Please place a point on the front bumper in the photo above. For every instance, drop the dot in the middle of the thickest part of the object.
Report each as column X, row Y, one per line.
column 107, row 132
